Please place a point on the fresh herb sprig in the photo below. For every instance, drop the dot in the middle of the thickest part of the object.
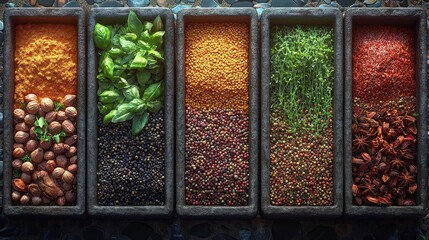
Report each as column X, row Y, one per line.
column 302, row 68
column 41, row 130
column 130, row 70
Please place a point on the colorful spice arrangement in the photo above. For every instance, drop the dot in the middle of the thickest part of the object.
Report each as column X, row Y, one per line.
column 45, row 152
column 130, row 96
column 45, row 53
column 217, row 120
column 301, row 137
column 384, row 127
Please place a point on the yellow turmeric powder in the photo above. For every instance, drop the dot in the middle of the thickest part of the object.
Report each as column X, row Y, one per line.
column 216, row 66
column 45, row 60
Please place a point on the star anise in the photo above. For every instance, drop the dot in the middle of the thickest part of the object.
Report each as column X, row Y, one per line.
column 405, row 179
column 360, row 142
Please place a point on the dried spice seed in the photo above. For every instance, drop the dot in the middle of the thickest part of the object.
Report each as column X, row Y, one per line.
column 131, row 168
column 217, row 157
column 216, row 65
column 384, row 127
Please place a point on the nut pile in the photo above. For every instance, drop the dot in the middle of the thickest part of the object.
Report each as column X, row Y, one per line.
column 45, row 152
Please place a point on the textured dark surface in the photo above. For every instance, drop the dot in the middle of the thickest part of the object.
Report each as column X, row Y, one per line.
column 119, row 16
column 215, row 15
column 291, row 17
column 414, row 18
column 31, row 15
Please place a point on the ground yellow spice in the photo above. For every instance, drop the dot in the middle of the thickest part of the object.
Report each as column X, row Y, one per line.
column 45, row 60
column 216, row 65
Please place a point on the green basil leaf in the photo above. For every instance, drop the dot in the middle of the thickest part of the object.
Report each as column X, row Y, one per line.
column 145, row 37
column 62, row 134
column 156, row 54
column 127, row 46
column 109, row 96
column 139, row 122
column 134, row 23
column 116, row 52
column 101, row 36
column 152, row 92
column 131, row 37
column 124, row 108
column 143, row 45
column 147, row 26
column 122, row 118
column 105, row 108
column 131, row 92
column 107, row 66
column 139, row 62
column 157, row 24
column 38, row 131
column 138, row 104
column 157, row 38
column 143, row 77
column 120, row 82
column 108, row 117
column 153, row 106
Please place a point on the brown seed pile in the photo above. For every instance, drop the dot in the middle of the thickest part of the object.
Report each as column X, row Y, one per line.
column 217, row 121
column 45, row 153
column 216, row 65
column 301, row 166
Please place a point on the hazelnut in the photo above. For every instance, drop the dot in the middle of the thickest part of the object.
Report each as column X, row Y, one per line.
column 29, row 119
column 50, row 165
column 70, row 196
column 18, row 145
column 16, row 164
column 61, row 201
column 68, row 127
column 67, row 186
column 41, row 113
column 31, row 145
column 19, row 114
column 69, row 100
column 37, row 155
column 51, row 116
column 22, row 126
column 46, row 105
column 49, row 155
column 46, row 144
column 19, row 185
column 58, row 148
column 32, row 134
column 54, row 127
column 71, row 140
column 26, row 178
column 58, row 172
column 46, row 200
column 68, row 177
column 25, row 200
column 41, row 166
column 73, row 160
column 18, row 152
column 61, row 116
column 71, row 112
column 36, row 201
column 16, row 196
column 21, row 137
column 33, row 107
column 30, row 97
column 61, row 161
column 72, row 168
column 34, row 189
column 71, row 152
column 27, row 167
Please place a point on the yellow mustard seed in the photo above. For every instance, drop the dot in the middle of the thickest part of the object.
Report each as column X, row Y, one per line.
column 216, row 66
